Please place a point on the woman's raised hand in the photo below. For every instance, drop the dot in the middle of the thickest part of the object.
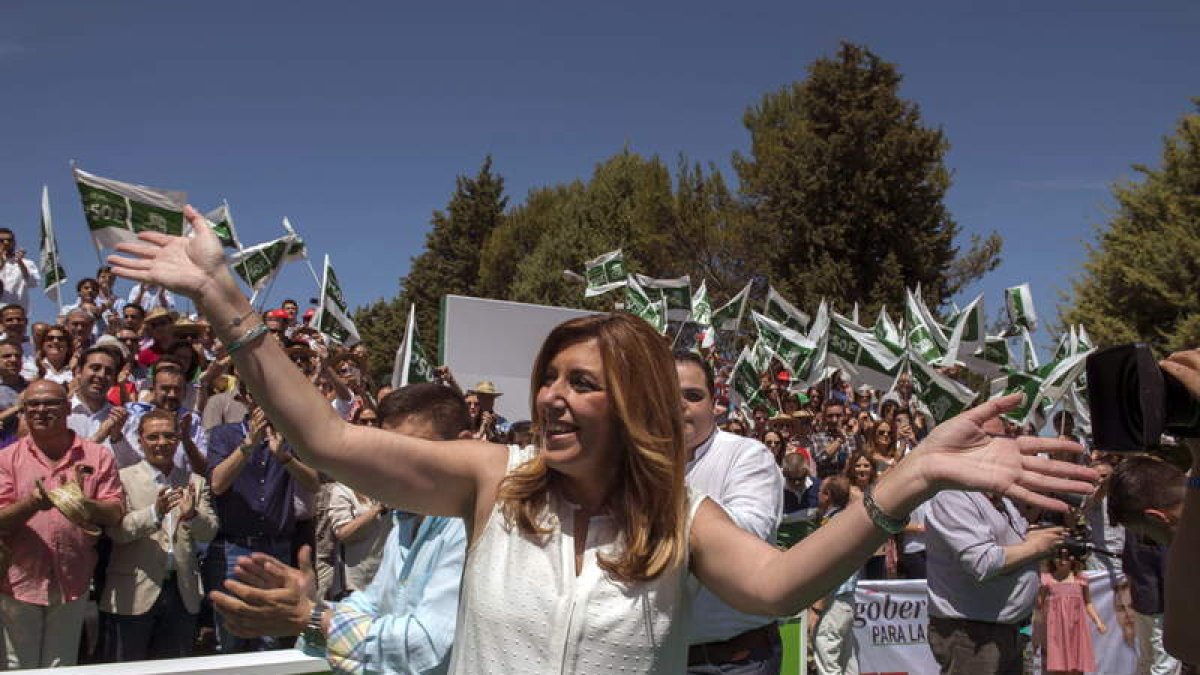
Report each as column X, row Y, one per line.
column 961, row 454
column 186, row 265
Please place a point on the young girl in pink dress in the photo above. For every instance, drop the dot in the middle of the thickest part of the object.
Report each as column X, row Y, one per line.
column 1063, row 609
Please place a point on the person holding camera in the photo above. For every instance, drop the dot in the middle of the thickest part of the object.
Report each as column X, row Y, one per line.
column 1154, row 499
column 982, row 564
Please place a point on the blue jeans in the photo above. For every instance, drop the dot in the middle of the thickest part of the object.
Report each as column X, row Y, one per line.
column 219, row 563
column 166, row 631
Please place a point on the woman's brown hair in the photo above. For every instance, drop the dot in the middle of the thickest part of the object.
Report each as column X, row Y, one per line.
column 849, row 470
column 69, row 349
column 647, row 501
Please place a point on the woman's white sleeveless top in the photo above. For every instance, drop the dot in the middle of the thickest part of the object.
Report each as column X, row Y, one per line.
column 523, row 610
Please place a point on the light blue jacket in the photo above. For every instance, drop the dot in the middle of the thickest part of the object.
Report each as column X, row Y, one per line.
column 407, row 614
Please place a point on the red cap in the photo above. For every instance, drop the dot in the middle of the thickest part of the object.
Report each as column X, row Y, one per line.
column 278, row 314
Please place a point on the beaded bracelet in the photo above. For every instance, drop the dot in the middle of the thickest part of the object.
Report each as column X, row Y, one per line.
column 882, row 520
column 246, row 338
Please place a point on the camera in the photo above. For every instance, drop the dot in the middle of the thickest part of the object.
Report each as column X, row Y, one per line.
column 1133, row 402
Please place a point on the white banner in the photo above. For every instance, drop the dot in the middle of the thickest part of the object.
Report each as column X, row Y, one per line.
column 891, row 623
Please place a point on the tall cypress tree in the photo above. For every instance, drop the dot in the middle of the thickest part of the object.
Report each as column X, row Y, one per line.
column 845, row 186
column 450, row 262
column 1139, row 281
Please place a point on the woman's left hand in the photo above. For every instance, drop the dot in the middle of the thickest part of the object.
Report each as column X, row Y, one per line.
column 961, row 454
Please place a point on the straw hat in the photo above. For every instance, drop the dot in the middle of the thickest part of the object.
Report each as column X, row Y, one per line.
column 69, row 500
column 485, row 387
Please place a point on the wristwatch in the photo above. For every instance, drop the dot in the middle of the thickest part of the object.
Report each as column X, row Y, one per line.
column 314, row 633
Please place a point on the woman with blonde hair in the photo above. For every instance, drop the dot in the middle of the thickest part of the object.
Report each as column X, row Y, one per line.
column 591, row 529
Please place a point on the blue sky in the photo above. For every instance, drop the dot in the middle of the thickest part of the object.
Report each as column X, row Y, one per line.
column 353, row 119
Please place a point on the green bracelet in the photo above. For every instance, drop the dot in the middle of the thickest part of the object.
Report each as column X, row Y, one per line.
column 883, row 521
column 246, row 338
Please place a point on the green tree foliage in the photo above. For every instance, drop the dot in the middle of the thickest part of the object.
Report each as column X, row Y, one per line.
column 845, row 188
column 665, row 227
column 1140, row 279
column 381, row 325
column 449, row 264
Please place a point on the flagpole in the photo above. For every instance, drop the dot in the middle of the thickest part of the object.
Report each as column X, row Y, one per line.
column 316, row 278
column 408, row 333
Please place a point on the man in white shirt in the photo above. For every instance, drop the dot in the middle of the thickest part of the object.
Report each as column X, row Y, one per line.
column 91, row 415
column 16, row 273
column 151, row 297
column 740, row 474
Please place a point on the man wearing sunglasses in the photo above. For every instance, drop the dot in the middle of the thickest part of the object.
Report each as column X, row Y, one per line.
column 17, row 273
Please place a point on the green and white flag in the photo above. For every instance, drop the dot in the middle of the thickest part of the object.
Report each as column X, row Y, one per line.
column 1029, row 357
column 1019, row 302
column 994, row 356
column 297, row 250
column 53, row 275
column 333, row 317
column 1083, row 341
column 746, row 378
column 676, row 292
column 779, row 309
column 702, row 311
column 967, row 334
column 924, row 336
column 1044, row 388
column 640, row 304
column 117, row 212
column 944, row 397
column 259, row 263
column 793, row 349
column 728, row 317
column 220, row 220
column 887, row 333
column 861, row 357
column 604, row 273
column 412, row 365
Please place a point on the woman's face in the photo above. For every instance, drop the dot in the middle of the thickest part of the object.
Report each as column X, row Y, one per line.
column 55, row 343
column 573, row 407
column 883, row 434
column 862, row 471
column 774, row 443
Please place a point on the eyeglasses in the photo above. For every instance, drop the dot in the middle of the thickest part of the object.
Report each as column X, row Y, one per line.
column 131, row 340
column 55, row 338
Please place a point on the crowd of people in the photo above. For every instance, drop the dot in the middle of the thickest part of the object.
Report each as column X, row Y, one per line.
column 229, row 481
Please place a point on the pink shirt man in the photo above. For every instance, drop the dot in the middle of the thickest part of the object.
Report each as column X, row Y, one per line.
column 49, row 551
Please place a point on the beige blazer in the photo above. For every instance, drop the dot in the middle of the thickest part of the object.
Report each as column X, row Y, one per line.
column 139, row 556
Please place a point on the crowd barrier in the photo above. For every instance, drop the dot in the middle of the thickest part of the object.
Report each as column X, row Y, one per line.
column 891, row 620
column 279, row 662
column 890, row 625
